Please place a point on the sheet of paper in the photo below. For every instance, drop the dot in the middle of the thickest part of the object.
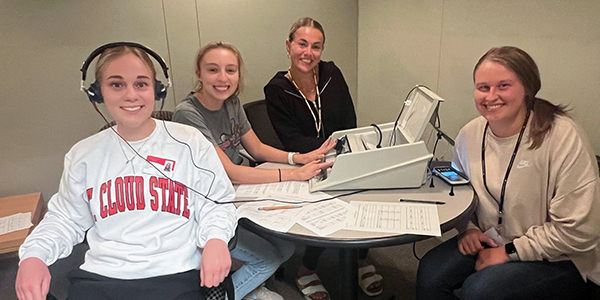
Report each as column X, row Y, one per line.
column 402, row 218
column 15, row 222
column 325, row 217
column 279, row 220
column 293, row 191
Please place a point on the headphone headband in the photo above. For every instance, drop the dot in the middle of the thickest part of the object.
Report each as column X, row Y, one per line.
column 94, row 92
column 102, row 48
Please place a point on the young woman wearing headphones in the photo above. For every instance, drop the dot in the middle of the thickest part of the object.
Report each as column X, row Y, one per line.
column 149, row 213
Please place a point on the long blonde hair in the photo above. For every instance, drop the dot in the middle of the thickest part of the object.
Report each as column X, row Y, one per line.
column 221, row 45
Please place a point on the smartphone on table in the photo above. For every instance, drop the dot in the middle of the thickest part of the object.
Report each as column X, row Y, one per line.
column 450, row 175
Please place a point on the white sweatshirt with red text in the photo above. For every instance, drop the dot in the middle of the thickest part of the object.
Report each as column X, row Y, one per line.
column 144, row 217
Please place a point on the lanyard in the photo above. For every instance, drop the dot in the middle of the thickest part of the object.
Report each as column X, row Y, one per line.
column 512, row 159
column 319, row 122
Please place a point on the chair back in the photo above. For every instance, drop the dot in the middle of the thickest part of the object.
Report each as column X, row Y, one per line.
column 256, row 112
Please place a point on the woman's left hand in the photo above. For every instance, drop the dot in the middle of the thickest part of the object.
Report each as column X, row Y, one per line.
column 491, row 256
column 317, row 154
column 215, row 263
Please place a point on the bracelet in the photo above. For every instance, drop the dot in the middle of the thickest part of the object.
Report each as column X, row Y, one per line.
column 279, row 174
column 291, row 158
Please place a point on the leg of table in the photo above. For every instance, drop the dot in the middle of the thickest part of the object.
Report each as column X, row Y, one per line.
column 349, row 273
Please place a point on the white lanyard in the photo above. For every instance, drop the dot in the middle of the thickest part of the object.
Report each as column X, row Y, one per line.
column 319, row 122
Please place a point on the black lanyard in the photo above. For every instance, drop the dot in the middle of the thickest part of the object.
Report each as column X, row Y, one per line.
column 512, row 159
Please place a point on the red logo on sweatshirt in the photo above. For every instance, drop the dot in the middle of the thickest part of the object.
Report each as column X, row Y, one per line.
column 167, row 163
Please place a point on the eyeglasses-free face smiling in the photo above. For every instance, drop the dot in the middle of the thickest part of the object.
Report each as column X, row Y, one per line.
column 305, row 49
column 500, row 98
column 219, row 74
column 127, row 86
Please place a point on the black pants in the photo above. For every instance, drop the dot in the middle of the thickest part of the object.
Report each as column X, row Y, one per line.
column 180, row 286
column 594, row 290
column 312, row 254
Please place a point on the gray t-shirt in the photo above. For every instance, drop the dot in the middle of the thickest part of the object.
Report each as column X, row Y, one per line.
column 224, row 128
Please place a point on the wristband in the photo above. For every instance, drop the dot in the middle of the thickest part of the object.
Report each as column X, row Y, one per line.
column 291, row 158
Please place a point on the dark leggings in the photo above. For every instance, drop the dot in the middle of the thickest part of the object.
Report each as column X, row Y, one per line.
column 180, row 286
column 312, row 254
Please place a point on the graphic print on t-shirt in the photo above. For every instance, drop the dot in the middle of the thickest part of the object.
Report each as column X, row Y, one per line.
column 233, row 139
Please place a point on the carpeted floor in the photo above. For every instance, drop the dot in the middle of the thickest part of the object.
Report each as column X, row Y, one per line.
column 397, row 265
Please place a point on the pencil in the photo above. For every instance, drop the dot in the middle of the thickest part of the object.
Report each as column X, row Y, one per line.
column 279, row 207
column 423, row 201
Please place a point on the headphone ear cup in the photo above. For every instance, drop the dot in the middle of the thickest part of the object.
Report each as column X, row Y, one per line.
column 94, row 93
column 160, row 91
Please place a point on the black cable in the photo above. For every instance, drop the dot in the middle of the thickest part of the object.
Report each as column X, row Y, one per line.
column 214, row 175
column 157, row 169
column 438, row 120
column 295, row 202
column 380, row 134
column 393, row 136
column 439, row 137
column 415, row 251
column 192, row 158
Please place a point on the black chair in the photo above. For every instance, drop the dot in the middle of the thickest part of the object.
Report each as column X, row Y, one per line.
column 228, row 282
column 160, row 115
column 256, row 112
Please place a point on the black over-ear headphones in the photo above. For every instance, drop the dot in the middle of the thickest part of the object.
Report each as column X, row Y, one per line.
column 94, row 93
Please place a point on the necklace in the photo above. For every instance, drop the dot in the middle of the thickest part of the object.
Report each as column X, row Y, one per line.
column 512, row 159
column 318, row 121
column 136, row 152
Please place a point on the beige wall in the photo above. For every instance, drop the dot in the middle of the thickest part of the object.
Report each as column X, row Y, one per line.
column 384, row 48
column 437, row 43
column 43, row 43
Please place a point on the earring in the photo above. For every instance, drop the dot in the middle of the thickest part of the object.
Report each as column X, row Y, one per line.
column 199, row 85
column 288, row 55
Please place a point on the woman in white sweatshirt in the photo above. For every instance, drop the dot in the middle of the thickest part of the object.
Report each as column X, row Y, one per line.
column 149, row 212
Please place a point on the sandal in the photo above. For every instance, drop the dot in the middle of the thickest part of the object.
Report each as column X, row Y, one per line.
column 309, row 285
column 365, row 282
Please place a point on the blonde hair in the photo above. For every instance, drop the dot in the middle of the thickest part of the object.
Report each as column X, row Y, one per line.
column 306, row 22
column 220, row 45
column 111, row 54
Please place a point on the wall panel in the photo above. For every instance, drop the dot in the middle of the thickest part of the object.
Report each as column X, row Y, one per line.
column 42, row 111
column 440, row 41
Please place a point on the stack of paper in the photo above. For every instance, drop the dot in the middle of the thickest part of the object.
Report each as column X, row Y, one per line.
column 327, row 217
column 15, row 222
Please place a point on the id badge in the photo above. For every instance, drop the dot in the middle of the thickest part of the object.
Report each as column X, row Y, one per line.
column 493, row 234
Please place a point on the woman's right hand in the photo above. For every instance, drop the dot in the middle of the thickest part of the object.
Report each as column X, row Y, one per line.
column 470, row 243
column 307, row 171
column 316, row 154
column 33, row 279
